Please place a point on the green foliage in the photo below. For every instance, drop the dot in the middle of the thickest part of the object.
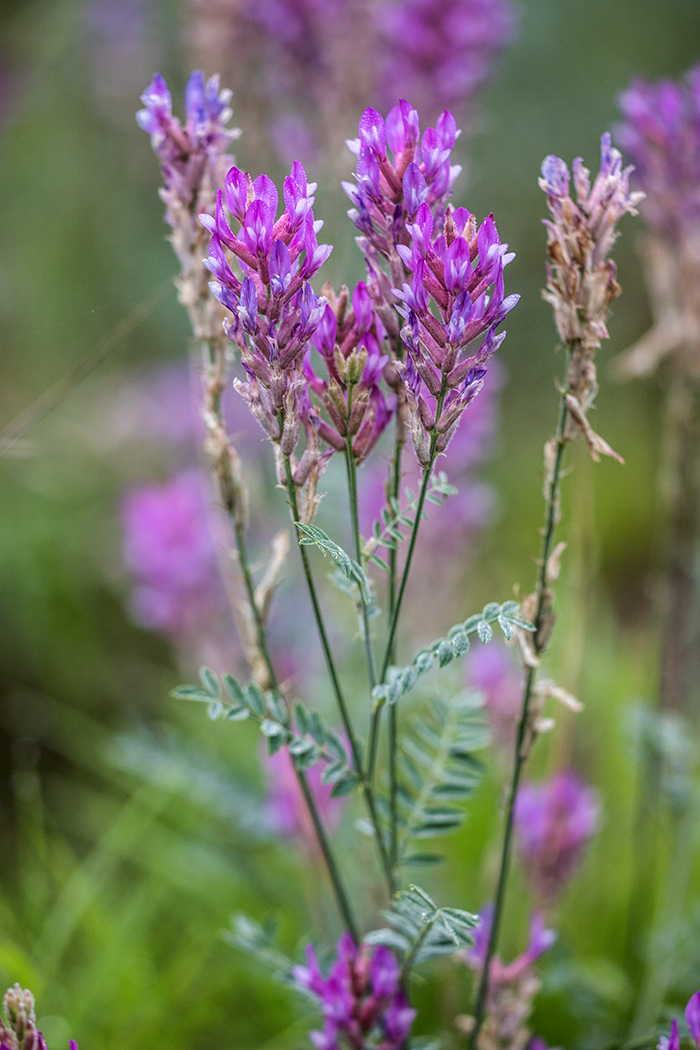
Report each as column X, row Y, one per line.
column 388, row 534
column 312, row 536
column 311, row 741
column 438, row 769
column 399, row 680
column 256, row 940
column 418, row 930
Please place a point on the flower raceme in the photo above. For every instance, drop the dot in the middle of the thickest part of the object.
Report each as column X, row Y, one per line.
column 456, row 297
column 275, row 310
column 349, row 343
column 361, row 999
column 692, row 1017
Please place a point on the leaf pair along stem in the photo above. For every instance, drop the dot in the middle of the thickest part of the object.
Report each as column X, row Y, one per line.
column 520, row 754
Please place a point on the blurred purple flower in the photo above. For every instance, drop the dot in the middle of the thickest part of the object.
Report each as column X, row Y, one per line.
column 439, row 52
column 692, row 1017
column 361, row 999
column 170, row 550
column 554, row 821
column 661, row 134
column 492, row 669
column 286, row 808
column 512, row 986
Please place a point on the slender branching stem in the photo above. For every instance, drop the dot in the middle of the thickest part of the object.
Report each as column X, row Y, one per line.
column 337, row 688
column 351, row 466
column 228, row 496
column 388, row 655
column 393, row 487
column 520, row 755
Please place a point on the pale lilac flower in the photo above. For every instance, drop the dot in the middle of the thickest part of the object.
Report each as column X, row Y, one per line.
column 361, row 999
column 512, row 986
column 170, row 552
column 554, row 821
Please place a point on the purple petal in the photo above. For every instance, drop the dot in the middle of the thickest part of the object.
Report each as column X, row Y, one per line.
column 692, row 1016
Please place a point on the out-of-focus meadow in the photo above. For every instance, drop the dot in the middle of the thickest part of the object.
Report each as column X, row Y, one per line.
column 131, row 826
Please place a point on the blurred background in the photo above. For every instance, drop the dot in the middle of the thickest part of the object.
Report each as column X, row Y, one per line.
column 131, row 826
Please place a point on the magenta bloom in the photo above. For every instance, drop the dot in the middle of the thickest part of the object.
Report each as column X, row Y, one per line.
column 692, row 1017
column 661, row 134
column 554, row 820
column 169, row 549
column 286, row 807
column 361, row 998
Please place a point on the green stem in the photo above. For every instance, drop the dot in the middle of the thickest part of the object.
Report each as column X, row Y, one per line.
column 520, row 755
column 337, row 689
column 393, row 486
column 228, row 493
column 355, row 521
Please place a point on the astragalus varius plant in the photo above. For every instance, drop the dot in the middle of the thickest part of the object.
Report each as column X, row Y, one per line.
column 398, row 359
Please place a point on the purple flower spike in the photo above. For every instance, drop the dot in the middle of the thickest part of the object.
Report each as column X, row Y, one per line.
column 384, row 973
column 692, row 1016
column 248, row 308
column 415, row 189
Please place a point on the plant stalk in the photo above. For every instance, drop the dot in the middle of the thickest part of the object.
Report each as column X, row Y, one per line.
column 355, row 521
column 337, row 689
column 520, row 755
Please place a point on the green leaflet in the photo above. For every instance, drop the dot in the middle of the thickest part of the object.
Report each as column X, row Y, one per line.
column 437, row 769
column 400, row 680
column 420, row 931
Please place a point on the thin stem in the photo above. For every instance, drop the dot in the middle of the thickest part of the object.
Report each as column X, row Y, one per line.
column 231, row 497
column 337, row 689
column 520, row 755
column 393, row 492
column 355, row 521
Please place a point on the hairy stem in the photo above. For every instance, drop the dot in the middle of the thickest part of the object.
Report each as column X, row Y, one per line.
column 337, row 688
column 520, row 755
column 355, row 521
column 232, row 497
column 393, row 486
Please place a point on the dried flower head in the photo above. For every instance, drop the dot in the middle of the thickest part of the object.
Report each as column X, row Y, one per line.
column 581, row 279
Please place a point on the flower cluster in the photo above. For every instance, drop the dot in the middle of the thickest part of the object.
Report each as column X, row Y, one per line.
column 361, row 999
column 581, row 284
column 194, row 162
column 349, row 342
column 692, row 1018
column 457, row 269
column 275, row 310
column 18, row 1031
column 554, row 820
column 512, row 986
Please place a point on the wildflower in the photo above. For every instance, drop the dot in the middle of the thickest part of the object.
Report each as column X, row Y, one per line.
column 168, row 546
column 512, row 986
column 457, row 265
column 18, row 1030
column 194, row 162
column 581, row 284
column 692, row 1017
column 361, row 999
column 275, row 310
column 349, row 342
column 661, row 134
column 554, row 820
